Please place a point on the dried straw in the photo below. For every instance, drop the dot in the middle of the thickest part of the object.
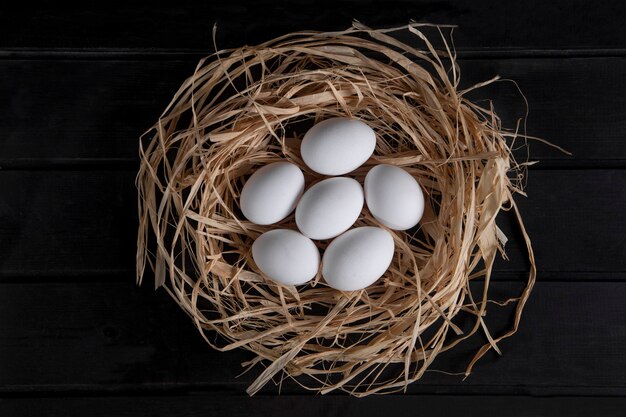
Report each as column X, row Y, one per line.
column 244, row 108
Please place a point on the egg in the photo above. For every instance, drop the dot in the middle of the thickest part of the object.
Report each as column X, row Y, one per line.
column 272, row 193
column 393, row 197
column 337, row 146
column 357, row 258
column 329, row 208
column 286, row 256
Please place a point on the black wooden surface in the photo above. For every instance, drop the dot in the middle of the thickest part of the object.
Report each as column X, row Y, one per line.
column 78, row 87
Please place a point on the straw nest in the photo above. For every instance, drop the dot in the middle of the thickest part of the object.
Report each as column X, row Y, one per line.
column 247, row 107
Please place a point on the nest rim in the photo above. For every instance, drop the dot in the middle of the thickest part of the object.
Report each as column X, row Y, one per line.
column 192, row 171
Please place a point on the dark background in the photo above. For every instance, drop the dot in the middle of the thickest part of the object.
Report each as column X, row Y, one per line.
column 78, row 87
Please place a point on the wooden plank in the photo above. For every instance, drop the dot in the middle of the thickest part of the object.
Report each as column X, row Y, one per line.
column 96, row 110
column 572, row 103
column 83, row 223
column 82, row 109
column 67, row 222
column 220, row 404
column 484, row 24
column 115, row 337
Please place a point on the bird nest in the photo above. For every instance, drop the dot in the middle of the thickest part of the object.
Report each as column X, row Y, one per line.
column 247, row 107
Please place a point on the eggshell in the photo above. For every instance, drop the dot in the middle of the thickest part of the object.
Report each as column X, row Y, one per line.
column 394, row 197
column 337, row 146
column 272, row 193
column 329, row 208
column 286, row 256
column 357, row 258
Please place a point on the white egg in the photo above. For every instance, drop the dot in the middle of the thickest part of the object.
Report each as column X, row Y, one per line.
column 393, row 197
column 357, row 258
column 329, row 208
column 286, row 256
column 337, row 146
column 272, row 193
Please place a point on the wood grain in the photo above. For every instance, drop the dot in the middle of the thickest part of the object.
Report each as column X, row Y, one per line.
column 116, row 337
column 233, row 405
column 84, row 223
column 90, row 113
column 488, row 24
